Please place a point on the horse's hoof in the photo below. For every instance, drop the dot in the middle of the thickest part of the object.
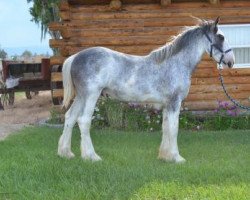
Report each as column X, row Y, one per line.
column 176, row 159
column 179, row 159
column 66, row 154
column 93, row 157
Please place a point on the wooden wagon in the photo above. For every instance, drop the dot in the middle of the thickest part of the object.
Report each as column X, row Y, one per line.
column 25, row 77
column 139, row 26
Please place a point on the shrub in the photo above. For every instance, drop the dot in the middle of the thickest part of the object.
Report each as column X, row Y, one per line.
column 131, row 116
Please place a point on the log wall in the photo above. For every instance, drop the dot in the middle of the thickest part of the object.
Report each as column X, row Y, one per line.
column 141, row 26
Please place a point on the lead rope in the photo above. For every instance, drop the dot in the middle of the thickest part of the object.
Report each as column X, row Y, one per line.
column 236, row 103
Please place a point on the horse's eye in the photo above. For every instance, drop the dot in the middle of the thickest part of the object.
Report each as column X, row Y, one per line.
column 221, row 37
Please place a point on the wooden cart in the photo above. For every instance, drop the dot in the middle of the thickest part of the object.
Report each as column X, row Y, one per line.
column 31, row 77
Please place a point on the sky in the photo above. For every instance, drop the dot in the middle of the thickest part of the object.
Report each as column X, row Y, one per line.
column 17, row 32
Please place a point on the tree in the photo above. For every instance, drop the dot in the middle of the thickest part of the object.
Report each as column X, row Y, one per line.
column 3, row 54
column 27, row 54
column 43, row 12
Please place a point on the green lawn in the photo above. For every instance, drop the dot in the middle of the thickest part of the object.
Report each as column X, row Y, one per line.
column 217, row 167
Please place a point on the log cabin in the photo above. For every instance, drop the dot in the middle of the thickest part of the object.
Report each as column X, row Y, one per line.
column 139, row 26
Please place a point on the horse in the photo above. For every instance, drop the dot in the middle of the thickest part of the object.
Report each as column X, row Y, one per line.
column 161, row 78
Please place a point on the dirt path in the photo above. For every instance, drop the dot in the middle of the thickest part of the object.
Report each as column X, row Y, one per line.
column 24, row 112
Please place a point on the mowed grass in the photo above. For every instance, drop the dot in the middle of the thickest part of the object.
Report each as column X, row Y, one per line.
column 217, row 167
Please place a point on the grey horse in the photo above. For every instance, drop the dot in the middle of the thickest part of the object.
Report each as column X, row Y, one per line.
column 161, row 78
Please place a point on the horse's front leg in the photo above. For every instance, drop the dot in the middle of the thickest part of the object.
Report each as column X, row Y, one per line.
column 170, row 125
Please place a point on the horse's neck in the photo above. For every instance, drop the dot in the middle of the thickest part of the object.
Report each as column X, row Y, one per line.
column 192, row 54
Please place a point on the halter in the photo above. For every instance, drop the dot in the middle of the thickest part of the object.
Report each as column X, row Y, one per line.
column 218, row 48
column 220, row 75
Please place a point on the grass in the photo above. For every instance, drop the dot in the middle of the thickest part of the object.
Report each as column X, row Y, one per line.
column 217, row 167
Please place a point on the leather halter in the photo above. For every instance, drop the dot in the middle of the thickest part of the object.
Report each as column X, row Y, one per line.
column 218, row 48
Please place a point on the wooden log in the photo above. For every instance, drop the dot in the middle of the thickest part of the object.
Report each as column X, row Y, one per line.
column 115, row 5
column 214, row 2
column 217, row 96
column 161, row 14
column 133, row 40
column 118, row 32
column 143, row 50
column 56, row 43
column 64, row 5
column 65, row 15
column 214, row 88
column 56, row 26
column 121, row 23
column 173, row 6
column 57, row 93
column 125, row 15
column 159, row 22
column 165, row 2
column 213, row 72
column 208, row 105
column 57, row 60
column 227, row 80
column 56, row 76
column 66, row 33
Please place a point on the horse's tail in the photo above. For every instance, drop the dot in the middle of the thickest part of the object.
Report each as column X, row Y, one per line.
column 69, row 90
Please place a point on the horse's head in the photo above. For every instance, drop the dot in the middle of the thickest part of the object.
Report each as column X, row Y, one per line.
column 217, row 45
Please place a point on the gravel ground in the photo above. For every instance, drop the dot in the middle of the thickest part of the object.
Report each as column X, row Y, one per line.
column 24, row 112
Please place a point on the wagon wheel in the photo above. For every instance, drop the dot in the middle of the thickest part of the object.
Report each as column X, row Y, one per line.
column 11, row 97
column 56, row 85
column 29, row 94
column 1, row 104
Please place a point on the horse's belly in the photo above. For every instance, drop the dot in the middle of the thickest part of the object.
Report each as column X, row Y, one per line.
column 133, row 96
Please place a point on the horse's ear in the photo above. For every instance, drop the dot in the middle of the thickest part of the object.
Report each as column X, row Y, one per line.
column 217, row 21
column 215, row 25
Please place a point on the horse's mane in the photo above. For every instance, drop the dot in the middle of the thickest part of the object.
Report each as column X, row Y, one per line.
column 183, row 39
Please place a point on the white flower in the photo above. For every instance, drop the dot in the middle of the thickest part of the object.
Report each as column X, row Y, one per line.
column 151, row 129
column 97, row 109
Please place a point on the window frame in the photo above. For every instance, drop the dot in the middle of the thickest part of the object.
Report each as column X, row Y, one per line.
column 237, row 65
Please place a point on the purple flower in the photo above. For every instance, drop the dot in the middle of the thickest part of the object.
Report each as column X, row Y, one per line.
column 231, row 113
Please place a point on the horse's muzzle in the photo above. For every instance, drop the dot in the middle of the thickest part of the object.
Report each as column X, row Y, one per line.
column 230, row 64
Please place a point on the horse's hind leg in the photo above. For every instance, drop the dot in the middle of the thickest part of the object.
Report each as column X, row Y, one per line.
column 64, row 144
column 84, row 122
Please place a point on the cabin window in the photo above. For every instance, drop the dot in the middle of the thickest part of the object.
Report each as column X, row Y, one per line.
column 238, row 38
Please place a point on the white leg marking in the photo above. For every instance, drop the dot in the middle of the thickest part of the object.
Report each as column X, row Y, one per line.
column 64, row 144
column 84, row 122
column 169, row 147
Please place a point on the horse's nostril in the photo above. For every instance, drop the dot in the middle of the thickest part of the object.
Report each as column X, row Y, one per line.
column 230, row 64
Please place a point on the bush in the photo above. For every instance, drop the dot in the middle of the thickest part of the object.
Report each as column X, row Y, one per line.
column 129, row 116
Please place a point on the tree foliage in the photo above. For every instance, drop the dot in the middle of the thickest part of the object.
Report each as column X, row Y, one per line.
column 43, row 12
column 27, row 54
column 3, row 54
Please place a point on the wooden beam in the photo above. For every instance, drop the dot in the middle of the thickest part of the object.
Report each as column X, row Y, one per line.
column 115, row 5
column 214, row 2
column 165, row 2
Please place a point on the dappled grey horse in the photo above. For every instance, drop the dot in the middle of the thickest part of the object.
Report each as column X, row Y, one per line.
column 161, row 78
